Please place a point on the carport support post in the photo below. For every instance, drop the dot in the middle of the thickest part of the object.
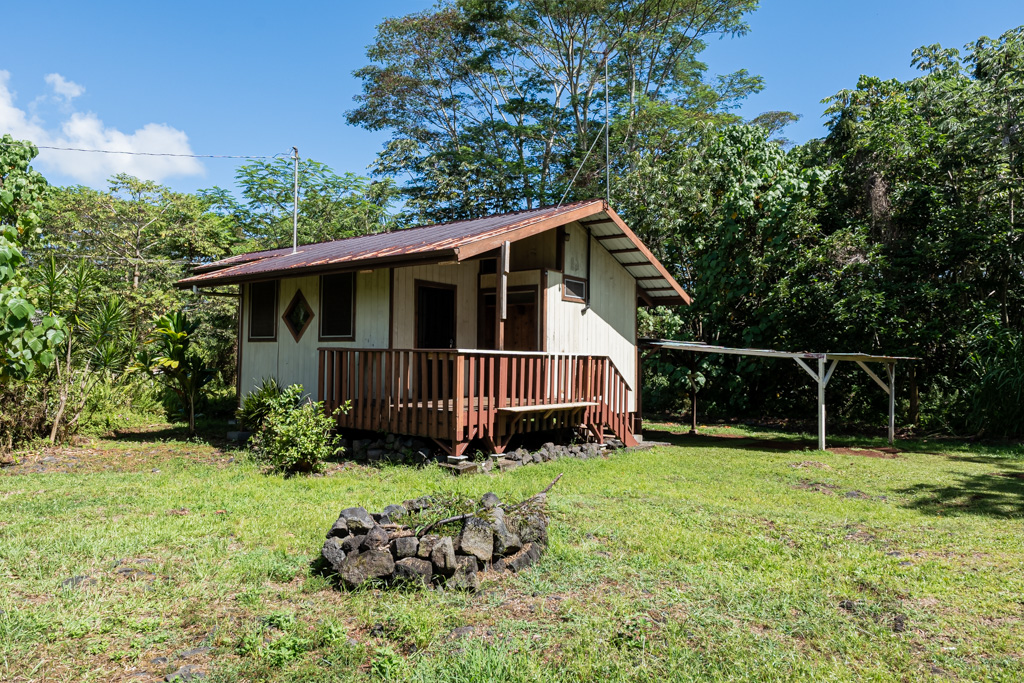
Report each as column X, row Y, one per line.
column 821, row 403
column 890, row 369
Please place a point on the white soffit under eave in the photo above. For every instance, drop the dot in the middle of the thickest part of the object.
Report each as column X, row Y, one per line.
column 603, row 226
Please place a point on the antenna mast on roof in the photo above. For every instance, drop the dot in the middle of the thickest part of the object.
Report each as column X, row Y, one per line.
column 295, row 202
column 607, row 157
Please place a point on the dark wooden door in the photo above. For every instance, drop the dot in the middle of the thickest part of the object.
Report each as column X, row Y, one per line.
column 435, row 317
column 520, row 321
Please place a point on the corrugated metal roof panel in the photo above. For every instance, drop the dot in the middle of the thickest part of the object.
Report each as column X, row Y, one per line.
column 422, row 240
column 445, row 240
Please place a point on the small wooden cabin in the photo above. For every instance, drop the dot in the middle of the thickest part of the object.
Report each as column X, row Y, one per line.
column 474, row 330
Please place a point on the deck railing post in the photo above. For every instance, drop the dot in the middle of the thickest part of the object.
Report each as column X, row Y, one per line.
column 458, row 390
column 502, row 381
column 320, row 379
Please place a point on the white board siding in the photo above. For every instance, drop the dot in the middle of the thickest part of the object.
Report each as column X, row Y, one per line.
column 609, row 327
column 517, row 278
column 462, row 275
column 292, row 362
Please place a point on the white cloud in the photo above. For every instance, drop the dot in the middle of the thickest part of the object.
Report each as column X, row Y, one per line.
column 69, row 90
column 87, row 131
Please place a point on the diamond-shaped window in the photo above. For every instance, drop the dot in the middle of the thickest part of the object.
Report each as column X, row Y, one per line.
column 298, row 315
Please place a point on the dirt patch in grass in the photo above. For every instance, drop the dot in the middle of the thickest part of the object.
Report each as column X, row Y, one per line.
column 108, row 457
column 809, row 463
column 819, row 486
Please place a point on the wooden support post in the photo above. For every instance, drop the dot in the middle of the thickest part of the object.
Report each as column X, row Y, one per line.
column 693, row 396
column 501, row 297
column 890, row 369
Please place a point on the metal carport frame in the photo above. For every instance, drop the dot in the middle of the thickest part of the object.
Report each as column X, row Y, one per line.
column 826, row 363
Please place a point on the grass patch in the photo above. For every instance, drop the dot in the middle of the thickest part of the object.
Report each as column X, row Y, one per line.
column 710, row 559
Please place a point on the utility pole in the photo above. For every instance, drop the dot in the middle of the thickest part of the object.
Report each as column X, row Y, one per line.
column 607, row 123
column 295, row 202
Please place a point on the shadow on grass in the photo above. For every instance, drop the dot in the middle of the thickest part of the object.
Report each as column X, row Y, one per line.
column 212, row 432
column 992, row 494
column 741, row 442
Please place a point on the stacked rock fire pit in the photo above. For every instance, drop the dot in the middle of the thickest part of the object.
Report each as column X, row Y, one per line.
column 396, row 546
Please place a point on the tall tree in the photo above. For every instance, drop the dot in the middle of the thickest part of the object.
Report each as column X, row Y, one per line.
column 144, row 236
column 331, row 206
column 493, row 104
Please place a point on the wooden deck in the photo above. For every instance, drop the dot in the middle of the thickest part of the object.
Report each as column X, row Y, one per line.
column 455, row 397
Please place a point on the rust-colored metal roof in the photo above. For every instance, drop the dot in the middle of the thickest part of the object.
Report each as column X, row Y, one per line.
column 455, row 241
column 239, row 258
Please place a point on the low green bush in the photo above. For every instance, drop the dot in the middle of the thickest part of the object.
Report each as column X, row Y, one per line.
column 257, row 404
column 295, row 435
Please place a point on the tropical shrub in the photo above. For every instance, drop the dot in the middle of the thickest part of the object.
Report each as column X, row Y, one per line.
column 295, row 434
column 996, row 395
column 257, row 404
column 171, row 359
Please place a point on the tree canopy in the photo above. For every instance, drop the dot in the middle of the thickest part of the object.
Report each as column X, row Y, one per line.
column 493, row 104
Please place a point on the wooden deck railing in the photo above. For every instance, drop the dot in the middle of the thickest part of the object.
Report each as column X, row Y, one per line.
column 461, row 395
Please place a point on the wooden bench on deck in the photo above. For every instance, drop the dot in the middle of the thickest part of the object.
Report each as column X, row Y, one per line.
column 516, row 413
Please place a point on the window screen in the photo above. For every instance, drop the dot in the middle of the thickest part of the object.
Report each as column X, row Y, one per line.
column 337, row 306
column 575, row 289
column 263, row 310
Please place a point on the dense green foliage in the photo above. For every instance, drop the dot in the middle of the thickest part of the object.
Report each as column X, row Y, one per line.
column 98, row 344
column 25, row 343
column 898, row 233
column 332, row 206
column 294, row 434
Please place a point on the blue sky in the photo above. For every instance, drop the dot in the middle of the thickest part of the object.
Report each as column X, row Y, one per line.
column 209, row 78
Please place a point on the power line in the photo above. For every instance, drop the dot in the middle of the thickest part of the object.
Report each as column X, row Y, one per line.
column 143, row 154
column 587, row 156
column 132, row 259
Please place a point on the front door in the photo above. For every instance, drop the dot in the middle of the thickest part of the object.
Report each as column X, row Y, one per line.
column 520, row 321
column 435, row 317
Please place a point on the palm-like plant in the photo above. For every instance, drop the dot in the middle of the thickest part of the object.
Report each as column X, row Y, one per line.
column 170, row 359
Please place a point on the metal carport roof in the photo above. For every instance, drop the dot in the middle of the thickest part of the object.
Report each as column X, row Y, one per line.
column 821, row 374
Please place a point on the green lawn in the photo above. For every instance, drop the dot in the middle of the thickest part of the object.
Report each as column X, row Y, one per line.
column 711, row 559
